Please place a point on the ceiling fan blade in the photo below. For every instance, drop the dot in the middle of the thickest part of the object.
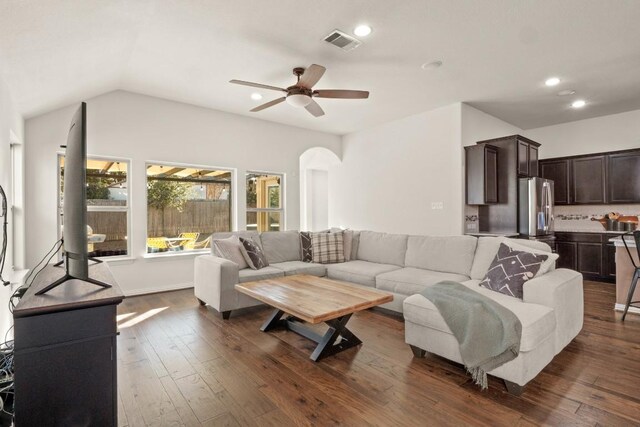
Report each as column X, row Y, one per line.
column 311, row 76
column 315, row 109
column 258, row 85
column 268, row 104
column 342, row 94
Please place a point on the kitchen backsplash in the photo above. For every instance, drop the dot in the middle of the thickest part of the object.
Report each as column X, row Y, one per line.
column 578, row 217
column 568, row 218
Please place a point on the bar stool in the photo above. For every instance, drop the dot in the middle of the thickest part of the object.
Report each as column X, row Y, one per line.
column 636, row 273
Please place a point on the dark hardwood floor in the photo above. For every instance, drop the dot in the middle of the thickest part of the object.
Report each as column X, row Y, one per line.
column 180, row 364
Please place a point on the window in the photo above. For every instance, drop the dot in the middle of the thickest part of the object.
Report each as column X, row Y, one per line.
column 108, row 215
column 264, row 202
column 185, row 204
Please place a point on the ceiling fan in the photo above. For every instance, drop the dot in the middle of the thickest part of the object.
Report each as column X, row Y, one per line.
column 302, row 93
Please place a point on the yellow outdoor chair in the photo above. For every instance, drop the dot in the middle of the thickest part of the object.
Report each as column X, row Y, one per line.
column 202, row 244
column 193, row 238
column 157, row 244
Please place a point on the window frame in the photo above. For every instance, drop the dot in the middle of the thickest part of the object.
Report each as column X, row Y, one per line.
column 232, row 204
column 281, row 210
column 94, row 208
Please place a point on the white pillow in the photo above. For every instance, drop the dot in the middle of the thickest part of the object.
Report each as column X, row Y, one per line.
column 545, row 266
column 230, row 248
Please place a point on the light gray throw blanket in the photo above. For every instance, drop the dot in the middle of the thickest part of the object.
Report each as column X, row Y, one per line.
column 488, row 334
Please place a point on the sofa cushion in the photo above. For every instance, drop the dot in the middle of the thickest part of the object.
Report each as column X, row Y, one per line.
column 361, row 272
column 231, row 249
column 538, row 321
column 382, row 248
column 409, row 280
column 488, row 248
column 249, row 275
column 299, row 267
column 253, row 235
column 280, row 246
column 449, row 254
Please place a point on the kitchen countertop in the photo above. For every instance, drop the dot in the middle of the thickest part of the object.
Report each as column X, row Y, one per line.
column 618, row 241
column 577, row 230
column 494, row 234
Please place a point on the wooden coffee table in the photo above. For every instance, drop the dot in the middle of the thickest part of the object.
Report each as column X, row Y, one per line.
column 314, row 300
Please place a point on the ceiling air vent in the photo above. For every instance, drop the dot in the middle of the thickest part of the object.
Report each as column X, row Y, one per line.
column 342, row 40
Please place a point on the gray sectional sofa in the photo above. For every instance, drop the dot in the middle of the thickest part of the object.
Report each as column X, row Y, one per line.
column 551, row 311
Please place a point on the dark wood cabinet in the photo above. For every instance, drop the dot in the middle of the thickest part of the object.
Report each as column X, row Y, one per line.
column 482, row 174
column 624, row 177
column 527, row 157
column 558, row 172
column 588, row 253
column 603, row 178
column 588, row 180
column 568, row 254
column 590, row 258
column 65, row 352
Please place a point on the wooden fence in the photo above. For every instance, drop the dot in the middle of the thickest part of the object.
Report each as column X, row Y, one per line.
column 203, row 216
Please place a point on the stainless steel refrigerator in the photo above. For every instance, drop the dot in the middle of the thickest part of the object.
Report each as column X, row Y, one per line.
column 535, row 208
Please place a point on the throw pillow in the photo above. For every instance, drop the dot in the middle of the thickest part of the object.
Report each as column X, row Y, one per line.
column 305, row 246
column 546, row 266
column 327, row 248
column 253, row 254
column 230, row 248
column 511, row 269
column 347, row 240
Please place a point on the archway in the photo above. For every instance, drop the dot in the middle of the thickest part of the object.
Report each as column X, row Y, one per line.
column 314, row 187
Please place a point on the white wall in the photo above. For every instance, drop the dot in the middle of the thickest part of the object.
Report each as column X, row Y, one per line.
column 143, row 128
column 392, row 173
column 319, row 191
column 606, row 133
column 478, row 126
column 11, row 130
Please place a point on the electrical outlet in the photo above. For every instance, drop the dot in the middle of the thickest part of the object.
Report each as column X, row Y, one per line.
column 437, row 205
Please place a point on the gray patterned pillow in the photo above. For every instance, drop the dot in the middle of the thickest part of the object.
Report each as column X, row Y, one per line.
column 328, row 248
column 510, row 270
column 253, row 254
column 305, row 246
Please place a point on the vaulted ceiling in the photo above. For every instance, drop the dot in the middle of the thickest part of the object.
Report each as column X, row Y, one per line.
column 496, row 55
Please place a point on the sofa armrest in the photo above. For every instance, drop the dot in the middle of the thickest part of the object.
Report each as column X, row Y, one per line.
column 214, row 282
column 562, row 291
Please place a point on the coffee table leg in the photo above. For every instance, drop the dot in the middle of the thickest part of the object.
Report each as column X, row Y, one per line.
column 273, row 321
column 329, row 343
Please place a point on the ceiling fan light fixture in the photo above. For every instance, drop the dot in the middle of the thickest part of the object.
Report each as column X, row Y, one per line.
column 298, row 99
column 256, row 96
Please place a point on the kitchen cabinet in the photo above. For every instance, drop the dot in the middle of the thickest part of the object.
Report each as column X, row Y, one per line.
column 588, row 180
column 558, row 172
column 595, row 179
column 624, row 177
column 527, row 157
column 588, row 253
column 481, row 174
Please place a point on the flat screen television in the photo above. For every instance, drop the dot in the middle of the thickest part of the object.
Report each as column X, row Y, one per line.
column 74, row 230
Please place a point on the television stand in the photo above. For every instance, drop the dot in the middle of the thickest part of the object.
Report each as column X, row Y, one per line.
column 65, row 352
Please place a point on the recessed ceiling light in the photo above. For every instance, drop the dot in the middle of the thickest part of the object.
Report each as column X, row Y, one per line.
column 256, row 96
column 431, row 65
column 362, row 30
column 552, row 81
column 566, row 92
column 579, row 103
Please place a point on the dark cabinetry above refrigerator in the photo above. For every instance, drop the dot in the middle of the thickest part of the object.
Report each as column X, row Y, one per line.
column 602, row 178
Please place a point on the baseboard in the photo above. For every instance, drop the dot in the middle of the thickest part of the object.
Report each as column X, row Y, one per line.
column 620, row 307
column 168, row 288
